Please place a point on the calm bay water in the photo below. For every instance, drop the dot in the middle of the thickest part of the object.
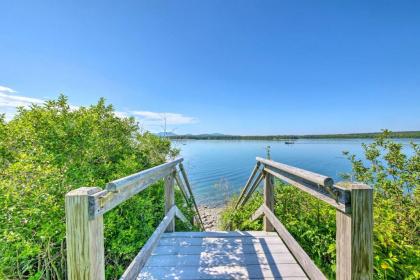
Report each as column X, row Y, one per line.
column 218, row 169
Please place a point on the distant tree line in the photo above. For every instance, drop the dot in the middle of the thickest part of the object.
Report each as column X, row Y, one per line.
column 401, row 134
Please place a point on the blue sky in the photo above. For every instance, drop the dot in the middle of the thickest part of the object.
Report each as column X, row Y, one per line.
column 235, row 67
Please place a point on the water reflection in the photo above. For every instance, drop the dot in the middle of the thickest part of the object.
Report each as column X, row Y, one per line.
column 218, row 169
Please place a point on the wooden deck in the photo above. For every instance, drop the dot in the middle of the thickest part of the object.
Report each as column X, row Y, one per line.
column 221, row 255
column 270, row 254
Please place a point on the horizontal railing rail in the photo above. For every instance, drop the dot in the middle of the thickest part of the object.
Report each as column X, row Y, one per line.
column 85, row 208
column 154, row 173
column 297, row 172
column 354, row 216
column 319, row 186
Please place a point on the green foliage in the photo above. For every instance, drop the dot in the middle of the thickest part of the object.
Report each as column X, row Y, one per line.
column 395, row 178
column 231, row 219
column 311, row 222
column 46, row 151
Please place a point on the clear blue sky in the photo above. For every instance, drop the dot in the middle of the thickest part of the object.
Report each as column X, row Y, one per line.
column 238, row 67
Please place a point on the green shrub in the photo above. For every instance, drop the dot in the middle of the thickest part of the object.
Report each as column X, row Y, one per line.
column 311, row 222
column 46, row 151
column 395, row 178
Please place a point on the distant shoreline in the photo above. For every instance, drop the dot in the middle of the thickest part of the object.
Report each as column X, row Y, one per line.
column 401, row 134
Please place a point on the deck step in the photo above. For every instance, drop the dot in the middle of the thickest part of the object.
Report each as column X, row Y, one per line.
column 221, row 255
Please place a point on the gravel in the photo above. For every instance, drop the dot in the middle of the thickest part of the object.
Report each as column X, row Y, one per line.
column 210, row 217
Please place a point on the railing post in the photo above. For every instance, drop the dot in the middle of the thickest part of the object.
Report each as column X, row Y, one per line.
column 268, row 199
column 170, row 198
column 84, row 237
column 354, row 240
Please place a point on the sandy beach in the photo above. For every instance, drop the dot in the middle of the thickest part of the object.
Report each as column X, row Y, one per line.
column 210, row 217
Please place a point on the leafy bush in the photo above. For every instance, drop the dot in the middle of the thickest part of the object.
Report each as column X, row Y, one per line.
column 395, row 178
column 46, row 151
column 311, row 222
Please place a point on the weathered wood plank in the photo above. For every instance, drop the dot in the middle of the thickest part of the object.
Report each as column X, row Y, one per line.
column 137, row 264
column 224, row 272
column 302, row 258
column 255, row 185
column 201, row 234
column 184, row 175
column 181, row 216
column 268, row 200
column 215, row 249
column 170, row 199
column 301, row 173
column 122, row 189
column 225, row 241
column 210, row 260
column 235, row 255
column 84, row 237
column 181, row 185
column 187, row 184
column 158, row 172
column 343, row 246
column 354, row 240
column 315, row 191
column 258, row 213
column 248, row 183
column 106, row 200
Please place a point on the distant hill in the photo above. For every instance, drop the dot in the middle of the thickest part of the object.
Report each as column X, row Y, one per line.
column 218, row 136
column 211, row 135
column 166, row 134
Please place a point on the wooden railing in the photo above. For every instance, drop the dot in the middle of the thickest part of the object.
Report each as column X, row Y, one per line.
column 354, row 216
column 84, row 218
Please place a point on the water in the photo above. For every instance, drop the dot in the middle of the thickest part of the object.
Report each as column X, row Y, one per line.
column 218, row 169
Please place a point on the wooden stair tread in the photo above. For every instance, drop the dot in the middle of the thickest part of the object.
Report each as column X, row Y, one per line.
column 221, row 255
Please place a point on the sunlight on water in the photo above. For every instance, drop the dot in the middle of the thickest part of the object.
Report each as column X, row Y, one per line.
column 219, row 169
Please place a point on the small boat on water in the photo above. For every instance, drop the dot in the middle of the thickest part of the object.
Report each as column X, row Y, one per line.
column 289, row 142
